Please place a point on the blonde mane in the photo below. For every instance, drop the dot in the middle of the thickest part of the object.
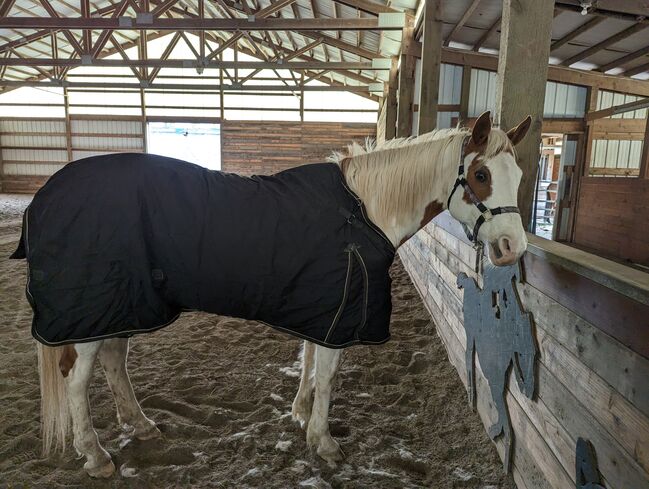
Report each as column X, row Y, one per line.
column 399, row 177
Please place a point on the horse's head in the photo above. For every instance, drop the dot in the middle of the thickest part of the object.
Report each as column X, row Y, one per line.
column 484, row 197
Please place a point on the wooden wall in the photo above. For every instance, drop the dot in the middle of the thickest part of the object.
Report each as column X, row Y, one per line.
column 268, row 147
column 32, row 150
column 593, row 363
column 612, row 217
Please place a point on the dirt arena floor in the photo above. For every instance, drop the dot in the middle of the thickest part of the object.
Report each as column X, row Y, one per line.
column 221, row 389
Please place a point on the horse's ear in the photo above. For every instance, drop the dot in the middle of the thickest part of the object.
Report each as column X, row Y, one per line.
column 517, row 134
column 481, row 129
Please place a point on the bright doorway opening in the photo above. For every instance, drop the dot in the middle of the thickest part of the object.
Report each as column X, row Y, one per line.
column 198, row 143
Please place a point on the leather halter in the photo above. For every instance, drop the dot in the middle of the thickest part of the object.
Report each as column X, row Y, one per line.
column 486, row 213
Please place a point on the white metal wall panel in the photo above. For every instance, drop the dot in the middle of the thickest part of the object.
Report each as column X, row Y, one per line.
column 450, row 84
column 607, row 99
column 445, row 119
column 615, row 154
column 482, row 92
column 31, row 168
column 106, row 144
column 83, row 126
column 32, row 141
column 33, row 155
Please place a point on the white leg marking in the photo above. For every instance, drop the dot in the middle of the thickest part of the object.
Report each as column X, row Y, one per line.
column 304, row 398
column 112, row 356
column 86, row 442
column 317, row 435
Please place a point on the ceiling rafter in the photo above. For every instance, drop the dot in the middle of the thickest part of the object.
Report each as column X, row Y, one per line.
column 586, row 26
column 624, row 59
column 467, row 14
column 604, row 44
column 488, row 33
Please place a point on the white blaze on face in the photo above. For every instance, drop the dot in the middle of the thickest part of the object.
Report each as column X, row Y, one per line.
column 504, row 233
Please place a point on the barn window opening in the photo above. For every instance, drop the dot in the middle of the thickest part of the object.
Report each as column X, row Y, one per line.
column 198, row 143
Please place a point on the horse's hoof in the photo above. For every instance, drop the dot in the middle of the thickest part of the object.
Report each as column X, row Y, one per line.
column 332, row 454
column 327, row 448
column 102, row 472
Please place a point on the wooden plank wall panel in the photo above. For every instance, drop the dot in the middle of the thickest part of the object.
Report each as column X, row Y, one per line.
column 611, row 217
column 264, row 148
column 589, row 384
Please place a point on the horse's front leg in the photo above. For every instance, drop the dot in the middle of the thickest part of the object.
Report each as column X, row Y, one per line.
column 112, row 357
column 303, row 403
column 317, row 435
column 86, row 441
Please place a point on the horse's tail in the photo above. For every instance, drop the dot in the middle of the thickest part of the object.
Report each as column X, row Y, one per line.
column 55, row 415
column 20, row 251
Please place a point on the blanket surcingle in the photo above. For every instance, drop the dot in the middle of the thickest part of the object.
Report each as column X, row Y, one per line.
column 122, row 244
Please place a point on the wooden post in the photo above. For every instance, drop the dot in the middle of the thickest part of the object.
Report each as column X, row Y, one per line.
column 431, row 58
column 302, row 97
column 68, row 124
column 145, row 142
column 464, row 93
column 406, row 85
column 391, row 103
column 591, row 105
column 644, row 160
column 522, row 73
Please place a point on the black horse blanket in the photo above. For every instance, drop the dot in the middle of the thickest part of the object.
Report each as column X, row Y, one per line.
column 121, row 244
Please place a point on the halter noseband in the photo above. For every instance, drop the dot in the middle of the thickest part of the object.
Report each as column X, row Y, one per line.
column 486, row 214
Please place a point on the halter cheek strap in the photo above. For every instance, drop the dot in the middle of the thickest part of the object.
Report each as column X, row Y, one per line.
column 486, row 213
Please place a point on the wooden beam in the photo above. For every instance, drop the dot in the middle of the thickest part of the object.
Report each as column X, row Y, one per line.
column 618, row 109
column 644, row 160
column 361, row 89
column 601, row 12
column 194, row 23
column 406, row 86
column 5, row 7
column 589, row 24
column 392, row 103
column 638, row 69
column 555, row 73
column 488, row 33
column 604, row 44
column 194, row 63
column 624, row 59
column 462, row 21
column 340, row 44
column 520, row 90
column 368, row 7
column 430, row 66
column 464, row 93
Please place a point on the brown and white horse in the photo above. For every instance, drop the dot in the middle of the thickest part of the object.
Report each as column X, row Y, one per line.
column 404, row 183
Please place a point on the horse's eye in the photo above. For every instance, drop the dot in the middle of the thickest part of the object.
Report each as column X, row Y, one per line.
column 481, row 176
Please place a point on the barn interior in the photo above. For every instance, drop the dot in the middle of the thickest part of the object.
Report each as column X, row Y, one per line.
column 259, row 86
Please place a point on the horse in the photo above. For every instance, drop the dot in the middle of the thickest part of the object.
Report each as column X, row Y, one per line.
column 397, row 187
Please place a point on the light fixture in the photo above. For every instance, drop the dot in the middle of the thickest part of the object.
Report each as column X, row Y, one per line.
column 585, row 5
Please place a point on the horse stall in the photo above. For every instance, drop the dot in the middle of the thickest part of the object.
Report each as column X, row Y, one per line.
column 467, row 179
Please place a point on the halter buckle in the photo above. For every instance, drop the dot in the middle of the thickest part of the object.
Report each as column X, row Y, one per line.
column 488, row 216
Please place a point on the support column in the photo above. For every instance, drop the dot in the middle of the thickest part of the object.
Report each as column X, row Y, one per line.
column 68, row 123
column 431, row 58
column 522, row 73
column 391, row 102
column 406, row 85
column 644, row 160
column 464, row 93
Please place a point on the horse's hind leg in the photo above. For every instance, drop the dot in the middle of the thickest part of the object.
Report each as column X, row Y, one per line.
column 112, row 356
column 318, row 435
column 304, row 398
column 86, row 441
